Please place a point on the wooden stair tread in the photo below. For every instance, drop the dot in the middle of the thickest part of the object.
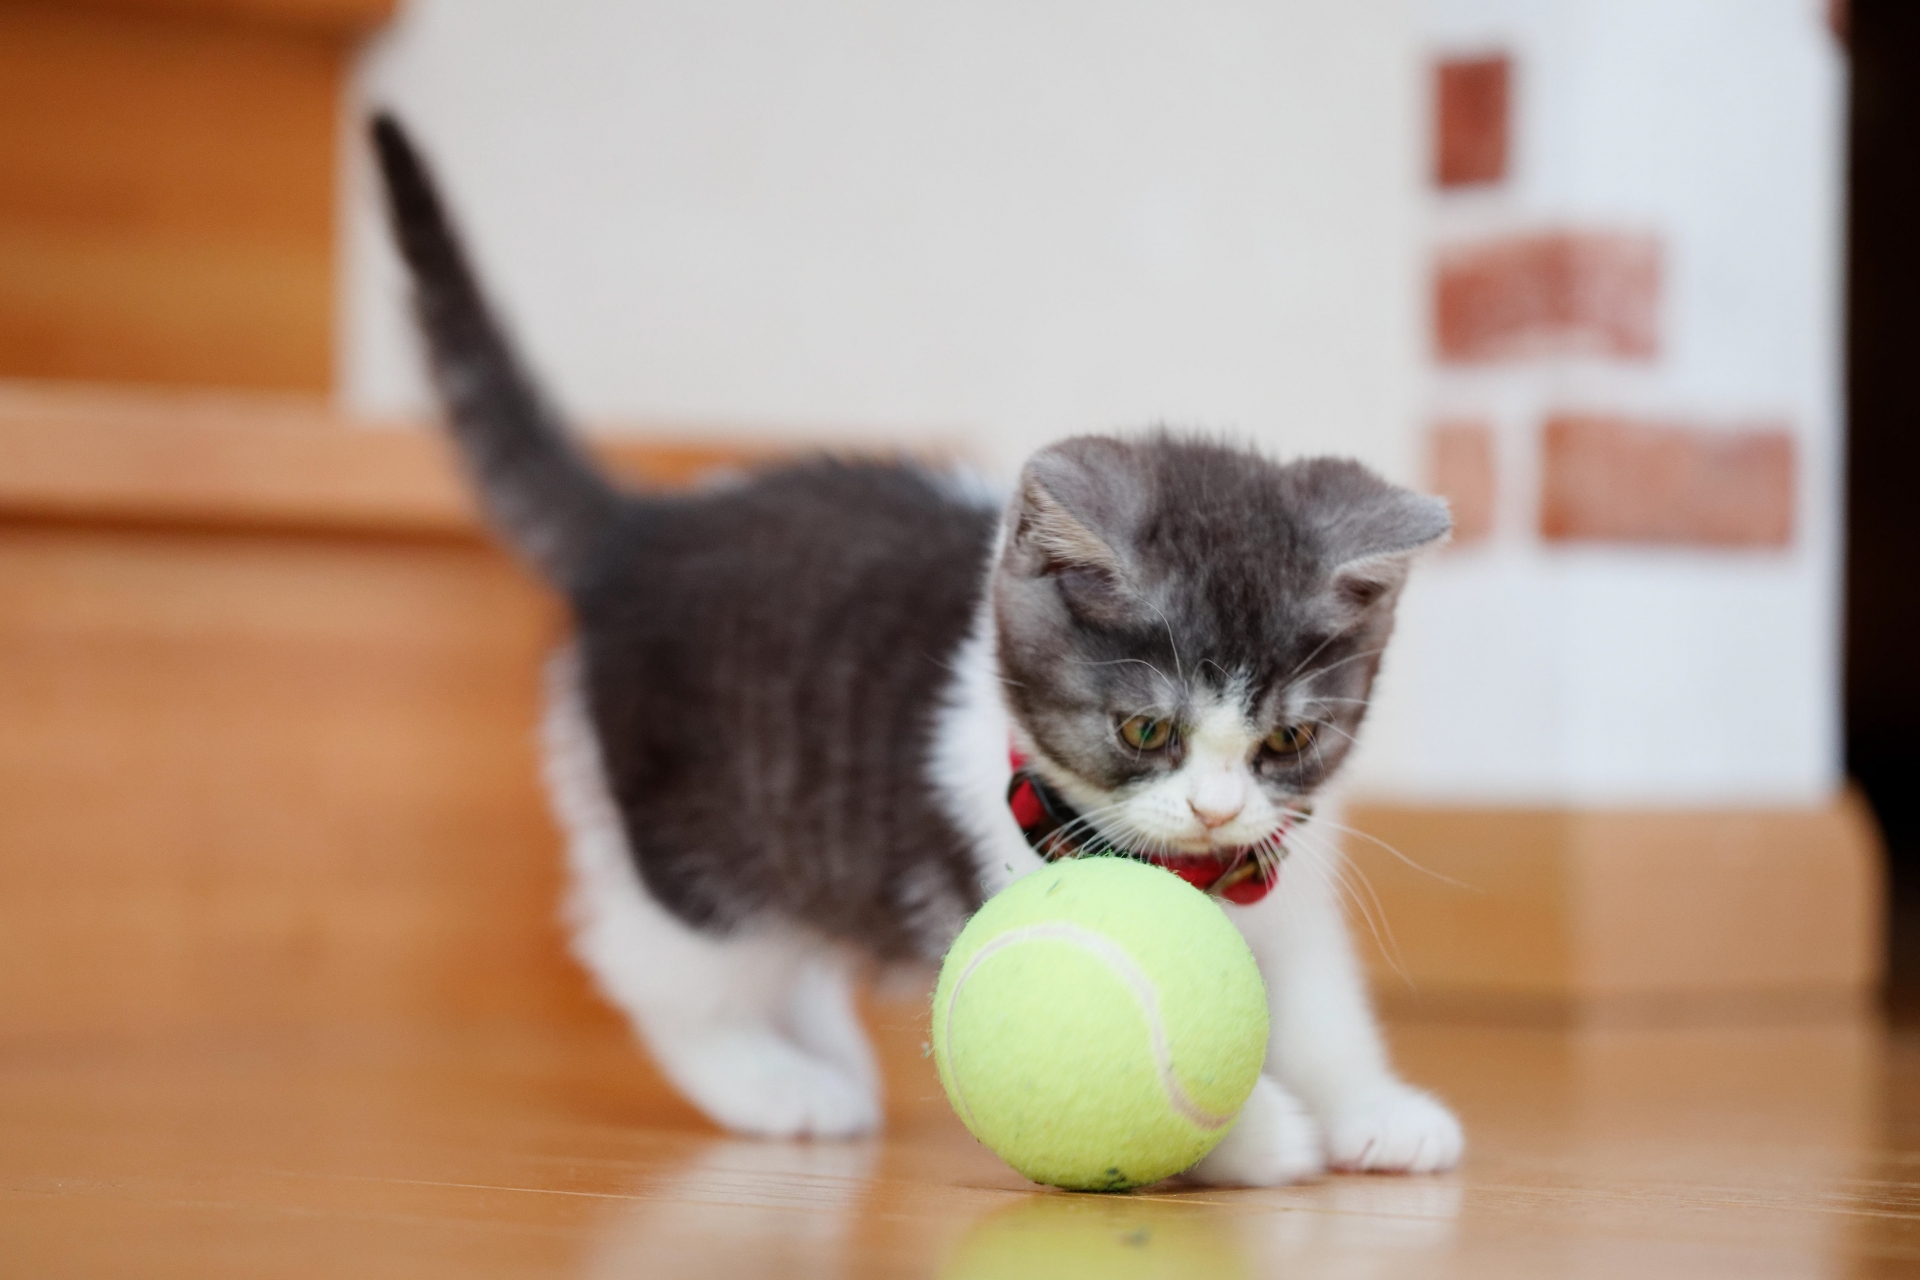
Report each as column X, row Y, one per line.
column 262, row 461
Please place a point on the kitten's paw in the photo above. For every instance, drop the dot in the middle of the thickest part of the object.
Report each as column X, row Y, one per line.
column 1393, row 1129
column 764, row 1086
column 1274, row 1142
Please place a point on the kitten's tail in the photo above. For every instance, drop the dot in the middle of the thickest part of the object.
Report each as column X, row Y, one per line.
column 539, row 490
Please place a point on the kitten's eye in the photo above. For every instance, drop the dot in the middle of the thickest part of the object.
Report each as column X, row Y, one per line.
column 1144, row 733
column 1290, row 739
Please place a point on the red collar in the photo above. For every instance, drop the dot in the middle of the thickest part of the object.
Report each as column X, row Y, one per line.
column 1053, row 830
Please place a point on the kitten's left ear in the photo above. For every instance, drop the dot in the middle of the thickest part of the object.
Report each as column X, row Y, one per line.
column 1373, row 540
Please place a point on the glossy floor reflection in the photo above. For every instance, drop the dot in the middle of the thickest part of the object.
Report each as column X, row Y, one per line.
column 1784, row 1152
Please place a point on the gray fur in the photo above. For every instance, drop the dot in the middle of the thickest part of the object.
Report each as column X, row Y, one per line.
column 763, row 665
column 763, row 668
column 539, row 490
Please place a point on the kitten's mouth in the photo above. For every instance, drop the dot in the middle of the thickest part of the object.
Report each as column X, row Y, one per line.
column 1241, row 874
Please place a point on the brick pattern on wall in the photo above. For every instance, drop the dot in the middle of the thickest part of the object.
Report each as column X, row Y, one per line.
column 1616, row 479
column 1460, row 468
column 1540, row 293
column 1555, row 293
column 1470, row 97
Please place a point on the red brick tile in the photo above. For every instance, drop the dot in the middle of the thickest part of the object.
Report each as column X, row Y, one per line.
column 1557, row 293
column 1608, row 479
column 1460, row 468
column 1470, row 106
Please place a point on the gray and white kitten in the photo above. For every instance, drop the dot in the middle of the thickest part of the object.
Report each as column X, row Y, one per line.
column 779, row 742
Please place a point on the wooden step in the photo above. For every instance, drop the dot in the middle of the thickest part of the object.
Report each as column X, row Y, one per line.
column 267, row 705
column 168, row 188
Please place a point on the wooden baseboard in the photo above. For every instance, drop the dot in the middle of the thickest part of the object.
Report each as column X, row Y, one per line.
column 1594, row 916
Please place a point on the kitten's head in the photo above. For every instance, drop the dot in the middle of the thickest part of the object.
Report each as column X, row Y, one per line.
column 1189, row 632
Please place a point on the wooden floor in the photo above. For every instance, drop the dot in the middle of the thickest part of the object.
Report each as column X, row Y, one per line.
column 495, row 1152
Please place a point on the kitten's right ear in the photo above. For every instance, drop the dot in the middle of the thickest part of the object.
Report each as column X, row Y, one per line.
column 1061, row 526
column 1044, row 538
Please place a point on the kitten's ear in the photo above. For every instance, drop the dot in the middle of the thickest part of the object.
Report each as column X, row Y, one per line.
column 1372, row 544
column 1046, row 538
column 1073, row 507
column 1077, row 503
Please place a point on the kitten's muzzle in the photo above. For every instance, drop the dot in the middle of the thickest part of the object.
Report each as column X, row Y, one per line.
column 1241, row 874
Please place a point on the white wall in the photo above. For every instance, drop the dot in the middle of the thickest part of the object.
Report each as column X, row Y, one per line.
column 996, row 223
column 991, row 222
column 1549, row 674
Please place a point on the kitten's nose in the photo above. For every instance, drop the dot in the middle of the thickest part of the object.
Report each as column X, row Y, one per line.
column 1215, row 811
column 1216, row 796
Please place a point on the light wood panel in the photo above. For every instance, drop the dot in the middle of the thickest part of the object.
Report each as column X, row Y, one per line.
column 1588, row 915
column 270, row 779
column 167, row 179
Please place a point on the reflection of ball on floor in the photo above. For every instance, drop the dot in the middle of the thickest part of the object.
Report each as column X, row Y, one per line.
column 1098, row 1024
column 1051, row 1237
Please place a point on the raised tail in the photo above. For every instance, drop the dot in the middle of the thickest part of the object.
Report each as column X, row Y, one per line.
column 539, row 490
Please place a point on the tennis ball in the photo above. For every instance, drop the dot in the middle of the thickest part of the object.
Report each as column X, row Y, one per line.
column 1098, row 1024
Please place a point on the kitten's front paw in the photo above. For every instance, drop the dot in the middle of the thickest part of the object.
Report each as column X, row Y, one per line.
column 1274, row 1142
column 763, row 1086
column 1393, row 1129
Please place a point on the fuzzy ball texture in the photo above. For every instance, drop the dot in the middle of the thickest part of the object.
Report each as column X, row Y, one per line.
column 1099, row 1024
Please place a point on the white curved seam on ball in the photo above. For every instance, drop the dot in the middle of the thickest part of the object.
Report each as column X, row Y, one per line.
column 1105, row 949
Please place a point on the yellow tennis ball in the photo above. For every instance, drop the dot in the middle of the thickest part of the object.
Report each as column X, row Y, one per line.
column 1099, row 1024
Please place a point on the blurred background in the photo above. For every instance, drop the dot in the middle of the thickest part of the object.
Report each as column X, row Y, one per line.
column 1629, row 281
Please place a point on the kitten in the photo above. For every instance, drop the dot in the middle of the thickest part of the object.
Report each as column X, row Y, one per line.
column 813, row 720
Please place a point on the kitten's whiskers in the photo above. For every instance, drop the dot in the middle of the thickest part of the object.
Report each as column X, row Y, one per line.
column 1115, row 662
column 1329, row 866
column 1081, row 824
column 1373, row 839
column 1171, row 643
column 1335, row 666
column 1288, row 678
column 1328, row 724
